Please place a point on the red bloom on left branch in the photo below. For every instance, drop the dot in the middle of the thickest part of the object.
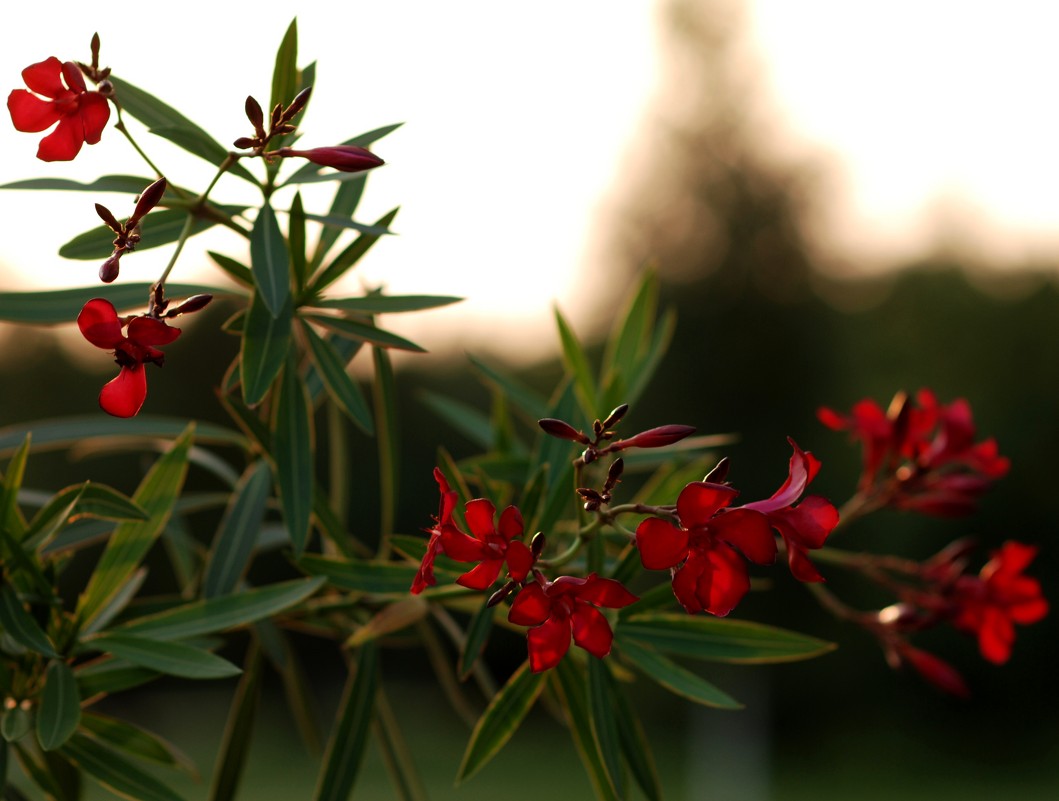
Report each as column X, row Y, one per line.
column 57, row 94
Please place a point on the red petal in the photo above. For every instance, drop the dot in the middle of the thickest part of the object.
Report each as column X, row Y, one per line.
column 728, row 581
column 548, row 644
column 996, row 635
column 748, row 531
column 809, row 523
column 29, row 113
column 425, row 575
column 604, row 592
column 64, row 143
column 662, row 545
column 801, row 568
column 73, row 78
column 686, row 582
column 531, row 606
column 43, row 77
column 510, row 523
column 124, row 396
column 99, row 324
column 482, row 576
column 591, row 630
column 95, row 113
column 461, row 547
column 479, row 516
column 149, row 331
column 519, row 560
column 700, row 501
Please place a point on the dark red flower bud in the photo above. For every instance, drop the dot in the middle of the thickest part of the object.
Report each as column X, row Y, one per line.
column 255, row 115
column 537, row 545
column 719, row 472
column 109, row 219
column 297, row 104
column 245, row 143
column 655, row 437
column 192, row 304
column 557, row 428
column 346, row 158
column 614, row 474
column 615, row 416
column 936, row 671
column 148, row 199
column 108, row 271
column 498, row 596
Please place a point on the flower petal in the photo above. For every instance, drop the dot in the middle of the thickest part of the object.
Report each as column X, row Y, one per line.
column 43, row 77
column 510, row 525
column 548, row 644
column 481, row 576
column 124, row 395
column 604, row 592
column 591, row 630
column 64, row 143
column 749, row 531
column 700, row 501
column 149, row 331
column 99, row 324
column 662, row 545
column 519, row 560
column 29, row 113
column 479, row 515
column 95, row 113
column 461, row 547
column 531, row 606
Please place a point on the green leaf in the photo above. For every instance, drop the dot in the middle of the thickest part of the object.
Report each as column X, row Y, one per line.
column 349, row 736
column 156, row 115
column 336, row 221
column 296, row 237
column 106, row 676
column 500, row 720
column 15, row 724
column 521, row 397
column 477, row 634
column 270, row 261
column 114, row 772
column 80, row 500
column 310, row 173
column 130, row 541
column 285, row 71
column 170, row 658
column 56, row 307
column 221, row 614
column 21, row 627
column 236, row 270
column 629, row 340
column 24, row 573
column 604, row 726
column 386, row 304
column 62, row 432
column 566, row 680
column 374, row 578
column 463, row 417
column 160, row 227
column 391, row 618
column 126, row 184
column 348, row 257
column 663, row 335
column 341, row 387
column 60, row 707
column 238, row 731
column 719, row 640
column 136, row 741
column 364, row 332
column 635, row 746
column 10, row 516
column 675, row 678
column 238, row 531
column 384, row 397
column 347, row 198
column 577, row 366
column 201, row 144
column 266, row 340
column 292, row 443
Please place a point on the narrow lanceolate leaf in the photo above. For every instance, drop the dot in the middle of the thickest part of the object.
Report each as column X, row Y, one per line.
column 387, row 304
column 347, row 198
column 265, row 342
column 349, row 736
column 375, row 578
column 390, row 618
column 477, row 635
column 105, row 676
column 80, row 500
column 570, row 688
column 221, row 614
column 237, row 270
column 296, row 237
column 349, row 256
column 341, row 387
column 114, row 772
column 285, row 71
column 171, row 658
column 501, row 720
column 270, row 261
column 57, row 433
column 675, row 678
column 126, row 184
column 578, row 367
column 335, row 221
column 60, row 707
column 719, row 640
column 130, row 541
column 161, row 227
column 292, row 449
column 635, row 746
column 238, row 531
column 238, row 731
column 518, row 394
column 135, row 741
column 155, row 114
column 20, row 625
column 10, row 516
column 601, row 704
column 364, row 332
column 62, row 305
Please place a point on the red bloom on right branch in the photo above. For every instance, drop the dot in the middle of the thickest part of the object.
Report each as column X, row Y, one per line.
column 920, row 455
column 57, row 94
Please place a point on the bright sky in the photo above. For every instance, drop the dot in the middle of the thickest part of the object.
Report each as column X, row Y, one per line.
column 519, row 116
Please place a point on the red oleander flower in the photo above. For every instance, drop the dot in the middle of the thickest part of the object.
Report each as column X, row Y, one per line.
column 346, row 158
column 425, row 575
column 492, row 545
column 703, row 552
column 100, row 325
column 921, row 455
column 989, row 604
column 557, row 610
column 805, row 526
column 57, row 94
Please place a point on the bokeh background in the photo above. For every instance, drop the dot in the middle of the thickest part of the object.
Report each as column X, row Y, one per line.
column 842, row 200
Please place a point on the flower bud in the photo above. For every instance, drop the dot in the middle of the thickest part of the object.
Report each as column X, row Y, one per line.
column 346, row 158
column 255, row 115
column 615, row 416
column 245, row 143
column 192, row 304
column 719, row 472
column 655, row 437
column 557, row 428
column 108, row 218
column 148, row 199
column 108, row 271
column 297, row 104
column 537, row 545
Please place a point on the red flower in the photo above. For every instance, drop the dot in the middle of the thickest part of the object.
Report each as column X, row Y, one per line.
column 57, row 94
column 805, row 526
column 347, row 158
column 921, row 455
column 564, row 607
column 425, row 575
column 708, row 573
column 491, row 545
column 989, row 604
column 100, row 325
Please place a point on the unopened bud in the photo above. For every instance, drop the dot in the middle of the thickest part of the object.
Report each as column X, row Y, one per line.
column 108, row 219
column 297, row 104
column 557, row 428
column 245, row 143
column 255, row 115
column 192, row 304
column 615, row 416
column 149, row 198
column 719, row 472
column 537, row 545
column 346, row 158
column 614, row 474
column 498, row 596
column 108, row 271
column 655, row 437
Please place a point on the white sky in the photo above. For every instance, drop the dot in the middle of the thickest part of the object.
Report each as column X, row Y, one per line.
column 519, row 115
